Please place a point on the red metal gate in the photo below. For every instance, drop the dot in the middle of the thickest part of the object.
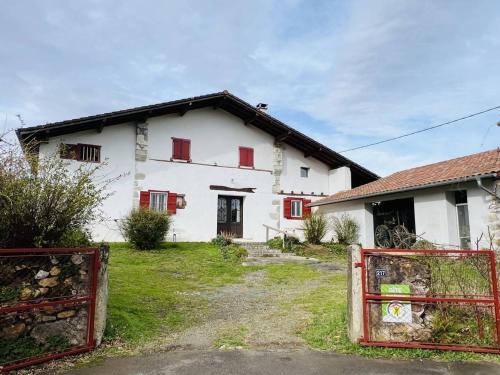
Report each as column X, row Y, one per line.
column 47, row 304
column 433, row 299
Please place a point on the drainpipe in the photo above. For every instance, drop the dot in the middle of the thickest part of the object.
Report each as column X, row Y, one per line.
column 481, row 186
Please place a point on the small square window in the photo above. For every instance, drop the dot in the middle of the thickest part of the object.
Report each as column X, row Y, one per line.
column 296, row 208
column 304, row 172
column 158, row 201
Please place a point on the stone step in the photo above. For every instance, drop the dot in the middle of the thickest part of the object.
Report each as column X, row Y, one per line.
column 259, row 249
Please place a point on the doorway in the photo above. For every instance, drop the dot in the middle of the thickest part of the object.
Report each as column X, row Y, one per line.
column 230, row 215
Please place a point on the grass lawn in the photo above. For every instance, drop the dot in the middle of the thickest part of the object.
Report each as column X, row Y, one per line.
column 156, row 292
column 151, row 292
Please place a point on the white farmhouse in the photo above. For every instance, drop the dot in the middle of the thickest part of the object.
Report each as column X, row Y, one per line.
column 452, row 203
column 215, row 162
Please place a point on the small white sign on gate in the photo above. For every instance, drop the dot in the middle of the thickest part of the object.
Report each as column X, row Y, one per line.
column 396, row 311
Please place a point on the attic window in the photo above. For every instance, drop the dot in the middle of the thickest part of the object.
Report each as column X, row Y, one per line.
column 304, row 172
column 90, row 153
column 80, row 152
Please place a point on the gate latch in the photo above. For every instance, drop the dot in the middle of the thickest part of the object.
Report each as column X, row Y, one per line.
column 358, row 264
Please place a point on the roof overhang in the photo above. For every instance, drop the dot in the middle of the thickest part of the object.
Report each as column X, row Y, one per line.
column 249, row 114
column 407, row 189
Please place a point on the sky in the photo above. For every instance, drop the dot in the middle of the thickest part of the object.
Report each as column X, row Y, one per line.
column 346, row 73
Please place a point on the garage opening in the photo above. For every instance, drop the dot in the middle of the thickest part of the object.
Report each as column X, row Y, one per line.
column 394, row 223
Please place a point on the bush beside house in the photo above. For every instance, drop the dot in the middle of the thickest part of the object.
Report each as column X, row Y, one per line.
column 145, row 229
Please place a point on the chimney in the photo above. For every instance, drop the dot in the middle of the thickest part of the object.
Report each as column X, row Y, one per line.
column 262, row 107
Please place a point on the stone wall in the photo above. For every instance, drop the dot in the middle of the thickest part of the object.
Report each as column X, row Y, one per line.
column 36, row 279
column 494, row 216
column 400, row 270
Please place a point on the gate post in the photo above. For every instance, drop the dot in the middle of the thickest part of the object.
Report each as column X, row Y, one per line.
column 354, row 295
column 101, row 294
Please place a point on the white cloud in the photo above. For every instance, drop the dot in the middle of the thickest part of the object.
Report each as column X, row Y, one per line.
column 364, row 70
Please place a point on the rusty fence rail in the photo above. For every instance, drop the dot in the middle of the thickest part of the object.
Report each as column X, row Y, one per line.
column 47, row 304
column 434, row 299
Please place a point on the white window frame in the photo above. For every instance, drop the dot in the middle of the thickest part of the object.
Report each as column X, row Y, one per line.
column 154, row 201
column 460, row 236
column 297, row 203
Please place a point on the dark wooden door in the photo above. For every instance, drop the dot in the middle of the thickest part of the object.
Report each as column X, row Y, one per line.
column 230, row 215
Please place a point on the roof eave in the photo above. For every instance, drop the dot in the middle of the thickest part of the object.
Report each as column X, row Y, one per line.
column 403, row 190
column 223, row 100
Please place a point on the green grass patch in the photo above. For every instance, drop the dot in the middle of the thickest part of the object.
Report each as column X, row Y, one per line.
column 290, row 273
column 231, row 337
column 153, row 292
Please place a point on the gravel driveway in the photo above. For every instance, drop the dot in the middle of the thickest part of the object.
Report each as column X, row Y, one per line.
column 253, row 314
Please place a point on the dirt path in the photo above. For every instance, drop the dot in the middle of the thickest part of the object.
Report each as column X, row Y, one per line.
column 253, row 314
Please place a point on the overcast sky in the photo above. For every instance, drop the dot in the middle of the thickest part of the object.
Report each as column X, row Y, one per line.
column 346, row 73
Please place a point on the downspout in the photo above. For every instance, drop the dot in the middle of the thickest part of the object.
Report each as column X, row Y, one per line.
column 481, row 186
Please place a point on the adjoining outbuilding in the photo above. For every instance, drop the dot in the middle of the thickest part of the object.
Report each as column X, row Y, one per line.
column 453, row 203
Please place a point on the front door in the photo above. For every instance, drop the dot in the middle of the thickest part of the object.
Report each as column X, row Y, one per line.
column 230, row 215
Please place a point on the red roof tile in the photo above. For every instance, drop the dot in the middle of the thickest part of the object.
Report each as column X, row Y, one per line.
column 484, row 163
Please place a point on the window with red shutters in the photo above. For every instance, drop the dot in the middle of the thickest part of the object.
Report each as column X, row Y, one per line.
column 181, row 149
column 246, row 157
column 159, row 201
column 296, row 208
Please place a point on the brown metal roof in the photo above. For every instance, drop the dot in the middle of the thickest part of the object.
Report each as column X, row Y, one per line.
column 223, row 100
column 449, row 171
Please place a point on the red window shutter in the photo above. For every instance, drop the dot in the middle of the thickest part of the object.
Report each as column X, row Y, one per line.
column 176, row 148
column 287, row 208
column 243, row 156
column 172, row 203
column 186, row 149
column 306, row 211
column 144, row 199
column 246, row 157
column 250, row 157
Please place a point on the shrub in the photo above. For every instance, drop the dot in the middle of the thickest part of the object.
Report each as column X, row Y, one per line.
column 75, row 238
column 275, row 243
column 337, row 248
column 346, row 229
column 222, row 239
column 423, row 244
column 42, row 199
column 145, row 229
column 233, row 252
column 315, row 227
column 292, row 244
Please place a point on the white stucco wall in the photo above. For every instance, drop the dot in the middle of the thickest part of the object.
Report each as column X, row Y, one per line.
column 357, row 210
column 215, row 138
column 316, row 183
column 435, row 214
column 117, row 153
